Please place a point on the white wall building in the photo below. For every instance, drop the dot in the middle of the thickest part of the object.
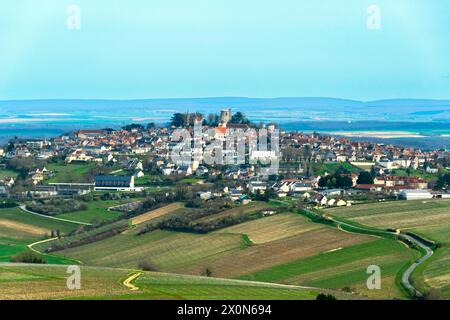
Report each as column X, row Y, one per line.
column 415, row 194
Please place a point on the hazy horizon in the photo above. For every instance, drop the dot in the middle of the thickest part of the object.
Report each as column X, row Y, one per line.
column 232, row 97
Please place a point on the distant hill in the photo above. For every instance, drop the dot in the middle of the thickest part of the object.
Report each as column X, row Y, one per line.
column 205, row 104
column 46, row 118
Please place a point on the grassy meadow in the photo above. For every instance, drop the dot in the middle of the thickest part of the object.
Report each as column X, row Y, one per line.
column 344, row 269
column 97, row 211
column 20, row 282
column 73, row 172
column 280, row 226
column 8, row 173
column 331, row 167
column 18, row 229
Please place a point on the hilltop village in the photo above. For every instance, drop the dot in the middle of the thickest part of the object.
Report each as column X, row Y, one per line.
column 322, row 170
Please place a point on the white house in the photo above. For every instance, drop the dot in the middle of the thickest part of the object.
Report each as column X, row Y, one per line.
column 340, row 203
column 8, row 181
column 257, row 186
column 236, row 194
column 387, row 164
column 302, row 186
column 341, row 158
column 432, row 170
column 139, row 174
column 266, row 156
column 205, row 195
column 281, row 194
column 320, row 199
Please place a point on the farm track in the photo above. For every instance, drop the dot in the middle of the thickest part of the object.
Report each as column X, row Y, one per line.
column 30, row 246
column 128, row 281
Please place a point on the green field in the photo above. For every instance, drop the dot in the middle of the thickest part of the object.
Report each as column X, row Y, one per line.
column 416, row 173
column 10, row 247
column 345, row 268
column 69, row 172
column 191, row 180
column 170, row 251
column 49, row 282
column 322, row 168
column 155, row 286
column 366, row 166
column 19, row 229
column 285, row 248
column 430, row 219
column 7, row 173
column 280, row 226
column 19, row 216
column 78, row 238
column 307, row 254
column 97, row 211
column 250, row 209
column 398, row 214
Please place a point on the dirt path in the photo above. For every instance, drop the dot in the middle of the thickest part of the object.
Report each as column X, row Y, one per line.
column 30, row 246
column 128, row 281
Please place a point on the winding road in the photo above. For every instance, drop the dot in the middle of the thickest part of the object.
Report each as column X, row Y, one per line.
column 406, row 277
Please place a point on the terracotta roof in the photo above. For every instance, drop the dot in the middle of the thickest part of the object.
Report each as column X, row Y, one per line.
column 222, row 130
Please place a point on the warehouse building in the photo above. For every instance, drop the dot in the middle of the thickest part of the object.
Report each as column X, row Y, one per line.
column 415, row 194
column 115, row 183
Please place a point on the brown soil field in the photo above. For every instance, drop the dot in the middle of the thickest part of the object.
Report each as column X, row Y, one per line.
column 25, row 228
column 259, row 257
column 156, row 213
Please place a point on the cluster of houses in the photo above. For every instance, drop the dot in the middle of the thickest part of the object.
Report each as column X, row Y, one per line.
column 126, row 149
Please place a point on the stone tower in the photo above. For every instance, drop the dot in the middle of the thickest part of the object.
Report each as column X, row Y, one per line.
column 225, row 116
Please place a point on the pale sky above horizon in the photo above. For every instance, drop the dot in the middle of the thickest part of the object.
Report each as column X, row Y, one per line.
column 140, row 49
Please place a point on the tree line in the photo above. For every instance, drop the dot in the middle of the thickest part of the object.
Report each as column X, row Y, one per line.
column 181, row 120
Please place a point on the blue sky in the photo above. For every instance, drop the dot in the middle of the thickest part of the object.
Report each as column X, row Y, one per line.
column 205, row 48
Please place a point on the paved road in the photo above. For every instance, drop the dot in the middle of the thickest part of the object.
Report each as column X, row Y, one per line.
column 24, row 208
column 406, row 277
